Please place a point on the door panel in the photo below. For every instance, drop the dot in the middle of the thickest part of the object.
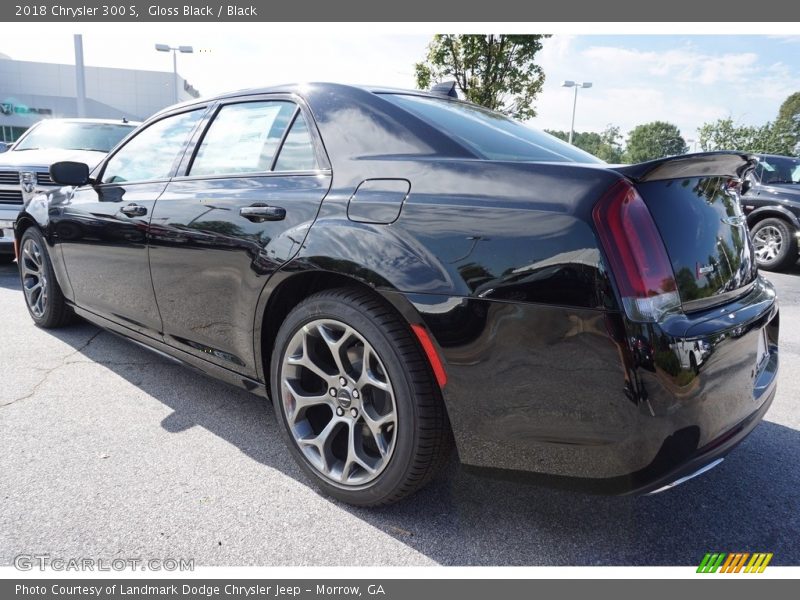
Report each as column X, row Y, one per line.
column 105, row 252
column 209, row 263
column 103, row 229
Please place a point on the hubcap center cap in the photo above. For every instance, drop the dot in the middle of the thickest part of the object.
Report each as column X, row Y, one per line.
column 344, row 399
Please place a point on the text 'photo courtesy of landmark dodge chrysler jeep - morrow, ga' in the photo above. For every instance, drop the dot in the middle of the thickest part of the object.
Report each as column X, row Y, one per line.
column 402, row 272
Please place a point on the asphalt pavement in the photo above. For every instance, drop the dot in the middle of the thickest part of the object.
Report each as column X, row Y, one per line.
column 108, row 450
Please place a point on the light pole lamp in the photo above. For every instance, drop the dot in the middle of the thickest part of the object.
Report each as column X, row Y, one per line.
column 574, row 84
column 175, row 50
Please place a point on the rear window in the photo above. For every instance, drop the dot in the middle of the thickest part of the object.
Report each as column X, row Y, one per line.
column 489, row 134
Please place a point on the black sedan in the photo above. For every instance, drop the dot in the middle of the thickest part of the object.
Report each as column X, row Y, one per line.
column 402, row 272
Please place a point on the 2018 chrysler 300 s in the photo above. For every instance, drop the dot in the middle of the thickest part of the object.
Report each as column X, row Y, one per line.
column 401, row 272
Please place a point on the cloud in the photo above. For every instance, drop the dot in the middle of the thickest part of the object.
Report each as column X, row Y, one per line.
column 688, row 84
column 683, row 64
column 786, row 39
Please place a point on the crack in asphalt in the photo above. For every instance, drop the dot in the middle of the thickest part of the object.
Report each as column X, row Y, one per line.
column 49, row 371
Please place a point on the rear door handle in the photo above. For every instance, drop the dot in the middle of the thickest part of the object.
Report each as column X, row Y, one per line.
column 134, row 210
column 258, row 213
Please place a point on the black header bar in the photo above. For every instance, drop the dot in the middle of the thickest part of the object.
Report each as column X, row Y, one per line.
column 496, row 11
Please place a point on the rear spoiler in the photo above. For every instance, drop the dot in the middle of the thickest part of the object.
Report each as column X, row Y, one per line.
column 704, row 164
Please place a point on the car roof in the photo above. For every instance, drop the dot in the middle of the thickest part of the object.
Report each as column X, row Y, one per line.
column 301, row 89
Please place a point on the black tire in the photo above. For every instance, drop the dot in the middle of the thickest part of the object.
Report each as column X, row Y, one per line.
column 53, row 312
column 781, row 233
column 6, row 259
column 421, row 437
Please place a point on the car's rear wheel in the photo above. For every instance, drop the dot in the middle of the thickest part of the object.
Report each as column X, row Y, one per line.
column 43, row 296
column 775, row 243
column 356, row 399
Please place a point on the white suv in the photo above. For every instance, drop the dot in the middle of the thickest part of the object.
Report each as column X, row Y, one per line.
column 24, row 167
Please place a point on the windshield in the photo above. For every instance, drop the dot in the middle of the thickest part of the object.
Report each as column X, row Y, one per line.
column 772, row 170
column 489, row 134
column 71, row 135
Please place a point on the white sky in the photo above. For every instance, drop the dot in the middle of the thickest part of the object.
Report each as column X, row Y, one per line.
column 679, row 78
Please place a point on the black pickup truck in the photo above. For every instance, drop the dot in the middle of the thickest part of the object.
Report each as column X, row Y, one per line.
column 771, row 201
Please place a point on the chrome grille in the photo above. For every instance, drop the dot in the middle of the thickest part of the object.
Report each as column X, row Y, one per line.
column 10, row 196
column 43, row 178
column 9, row 177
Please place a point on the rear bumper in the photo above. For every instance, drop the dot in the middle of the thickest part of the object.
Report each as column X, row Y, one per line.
column 707, row 455
column 661, row 475
column 585, row 400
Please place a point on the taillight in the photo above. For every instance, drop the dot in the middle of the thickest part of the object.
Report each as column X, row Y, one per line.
column 636, row 254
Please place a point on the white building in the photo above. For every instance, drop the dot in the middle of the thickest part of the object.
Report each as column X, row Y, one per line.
column 30, row 91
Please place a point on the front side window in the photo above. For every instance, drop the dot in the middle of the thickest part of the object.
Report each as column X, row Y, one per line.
column 243, row 138
column 152, row 152
column 489, row 134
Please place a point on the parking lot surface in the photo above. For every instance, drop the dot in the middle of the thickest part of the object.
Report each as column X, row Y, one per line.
column 108, row 450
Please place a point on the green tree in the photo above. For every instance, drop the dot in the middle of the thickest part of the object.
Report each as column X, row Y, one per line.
column 605, row 145
column 788, row 125
column 495, row 71
column 654, row 140
column 724, row 134
column 779, row 137
column 790, row 109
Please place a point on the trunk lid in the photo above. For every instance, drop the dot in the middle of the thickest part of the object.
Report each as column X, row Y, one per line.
column 694, row 201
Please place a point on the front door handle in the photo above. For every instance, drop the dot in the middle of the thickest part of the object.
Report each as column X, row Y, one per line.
column 134, row 210
column 258, row 213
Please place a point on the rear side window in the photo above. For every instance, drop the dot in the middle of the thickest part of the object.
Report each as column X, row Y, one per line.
column 489, row 134
column 152, row 152
column 297, row 152
column 243, row 138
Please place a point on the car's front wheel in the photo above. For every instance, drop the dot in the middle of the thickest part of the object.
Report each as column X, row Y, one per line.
column 356, row 399
column 775, row 243
column 43, row 296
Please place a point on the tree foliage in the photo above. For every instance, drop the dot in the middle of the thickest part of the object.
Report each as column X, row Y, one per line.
column 778, row 137
column 606, row 145
column 790, row 109
column 781, row 136
column 495, row 71
column 650, row 141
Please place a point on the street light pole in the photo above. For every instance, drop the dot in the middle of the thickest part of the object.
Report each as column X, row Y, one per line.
column 175, row 76
column 574, row 106
column 175, row 50
column 572, row 84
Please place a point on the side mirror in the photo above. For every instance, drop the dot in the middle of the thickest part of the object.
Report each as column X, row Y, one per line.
column 4, row 146
column 69, row 173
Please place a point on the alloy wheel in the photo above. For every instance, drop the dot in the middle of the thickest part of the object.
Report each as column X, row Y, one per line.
column 768, row 242
column 339, row 402
column 34, row 277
